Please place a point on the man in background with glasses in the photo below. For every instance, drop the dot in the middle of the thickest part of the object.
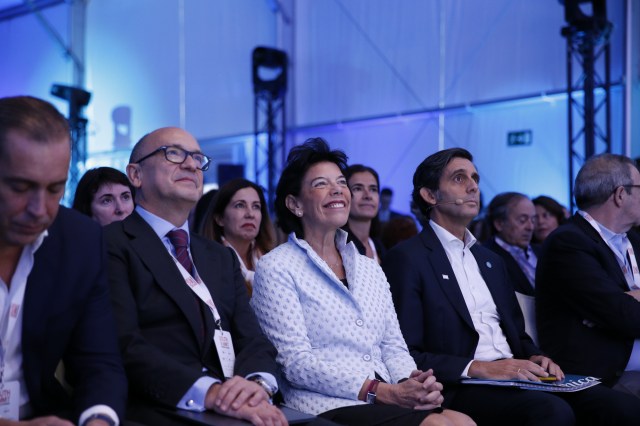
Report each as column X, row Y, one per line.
column 188, row 336
column 587, row 281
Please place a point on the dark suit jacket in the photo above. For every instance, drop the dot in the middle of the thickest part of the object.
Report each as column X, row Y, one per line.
column 585, row 320
column 67, row 316
column 517, row 277
column 433, row 316
column 159, row 322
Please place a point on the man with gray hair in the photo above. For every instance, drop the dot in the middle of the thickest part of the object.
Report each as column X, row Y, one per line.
column 512, row 217
column 587, row 281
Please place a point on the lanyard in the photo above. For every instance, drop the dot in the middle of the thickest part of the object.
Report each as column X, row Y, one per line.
column 200, row 289
column 631, row 275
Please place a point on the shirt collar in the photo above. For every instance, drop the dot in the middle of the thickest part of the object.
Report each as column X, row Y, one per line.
column 607, row 234
column 159, row 225
column 510, row 247
column 447, row 237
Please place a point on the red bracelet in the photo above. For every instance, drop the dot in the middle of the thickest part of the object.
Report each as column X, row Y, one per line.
column 370, row 398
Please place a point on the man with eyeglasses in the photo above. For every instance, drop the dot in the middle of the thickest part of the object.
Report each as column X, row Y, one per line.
column 587, row 281
column 188, row 336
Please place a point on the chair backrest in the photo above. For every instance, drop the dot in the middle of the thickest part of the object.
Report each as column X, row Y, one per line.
column 528, row 308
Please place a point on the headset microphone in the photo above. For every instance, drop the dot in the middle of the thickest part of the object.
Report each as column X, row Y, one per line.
column 457, row 202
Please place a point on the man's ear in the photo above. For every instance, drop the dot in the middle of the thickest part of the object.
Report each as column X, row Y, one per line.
column 498, row 224
column 428, row 195
column 618, row 195
column 134, row 173
column 293, row 205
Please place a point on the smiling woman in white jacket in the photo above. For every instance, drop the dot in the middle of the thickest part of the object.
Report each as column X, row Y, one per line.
column 328, row 309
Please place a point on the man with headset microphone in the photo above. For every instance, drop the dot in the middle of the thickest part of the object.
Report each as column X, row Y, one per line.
column 459, row 314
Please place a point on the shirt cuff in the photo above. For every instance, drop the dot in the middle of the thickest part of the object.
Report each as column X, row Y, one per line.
column 465, row 372
column 267, row 377
column 99, row 409
column 193, row 400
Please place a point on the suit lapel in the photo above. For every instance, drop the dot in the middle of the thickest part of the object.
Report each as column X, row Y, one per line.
column 207, row 263
column 444, row 274
column 161, row 266
column 492, row 277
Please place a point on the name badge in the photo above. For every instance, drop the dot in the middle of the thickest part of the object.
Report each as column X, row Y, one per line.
column 224, row 346
column 10, row 400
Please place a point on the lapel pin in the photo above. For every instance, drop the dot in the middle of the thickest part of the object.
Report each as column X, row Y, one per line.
column 445, row 276
column 488, row 264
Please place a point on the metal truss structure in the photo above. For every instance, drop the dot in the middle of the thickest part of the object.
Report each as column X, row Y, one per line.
column 269, row 118
column 588, row 96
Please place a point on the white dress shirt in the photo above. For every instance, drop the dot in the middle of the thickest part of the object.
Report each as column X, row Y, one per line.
column 492, row 343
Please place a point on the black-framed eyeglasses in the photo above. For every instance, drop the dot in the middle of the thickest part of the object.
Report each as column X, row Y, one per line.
column 177, row 155
column 630, row 186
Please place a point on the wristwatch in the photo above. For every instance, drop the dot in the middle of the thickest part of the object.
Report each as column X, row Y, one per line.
column 264, row 384
column 371, row 391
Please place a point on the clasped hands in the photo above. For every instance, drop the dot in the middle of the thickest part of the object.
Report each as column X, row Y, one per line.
column 421, row 391
column 244, row 399
column 521, row 369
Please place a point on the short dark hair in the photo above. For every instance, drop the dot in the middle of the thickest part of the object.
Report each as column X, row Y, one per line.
column 599, row 177
column 361, row 168
column 386, row 191
column 299, row 161
column 212, row 230
column 552, row 206
column 35, row 118
column 91, row 182
column 429, row 172
column 499, row 207
column 374, row 230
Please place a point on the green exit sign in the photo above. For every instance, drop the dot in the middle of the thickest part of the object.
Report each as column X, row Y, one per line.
column 520, row 138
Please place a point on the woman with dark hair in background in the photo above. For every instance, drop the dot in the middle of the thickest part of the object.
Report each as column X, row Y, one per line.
column 328, row 310
column 549, row 215
column 238, row 218
column 105, row 195
column 362, row 227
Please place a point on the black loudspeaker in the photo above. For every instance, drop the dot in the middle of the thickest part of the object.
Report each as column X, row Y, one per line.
column 576, row 17
column 227, row 172
column 269, row 72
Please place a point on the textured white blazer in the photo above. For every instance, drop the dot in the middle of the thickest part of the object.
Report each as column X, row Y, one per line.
column 330, row 338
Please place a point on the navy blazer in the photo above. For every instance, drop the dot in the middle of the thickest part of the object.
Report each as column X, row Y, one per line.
column 586, row 322
column 160, row 326
column 67, row 316
column 432, row 312
column 517, row 277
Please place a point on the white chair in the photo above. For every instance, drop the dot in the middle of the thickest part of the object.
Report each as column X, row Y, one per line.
column 528, row 307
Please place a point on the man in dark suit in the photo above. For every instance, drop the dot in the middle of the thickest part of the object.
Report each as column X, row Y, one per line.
column 511, row 216
column 588, row 286
column 54, row 303
column 174, row 293
column 459, row 314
